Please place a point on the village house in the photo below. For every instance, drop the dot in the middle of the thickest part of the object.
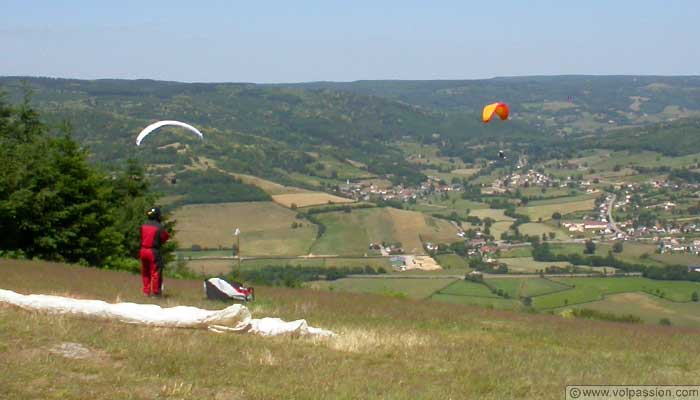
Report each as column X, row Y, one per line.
column 595, row 225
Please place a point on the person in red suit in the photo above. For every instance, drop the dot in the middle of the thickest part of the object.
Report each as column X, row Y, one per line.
column 153, row 236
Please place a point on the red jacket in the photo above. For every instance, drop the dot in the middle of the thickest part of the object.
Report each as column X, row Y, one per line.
column 153, row 235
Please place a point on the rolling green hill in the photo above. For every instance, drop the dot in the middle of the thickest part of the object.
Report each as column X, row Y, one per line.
column 570, row 103
column 317, row 135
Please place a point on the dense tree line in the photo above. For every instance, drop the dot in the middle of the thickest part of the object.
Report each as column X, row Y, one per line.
column 211, row 186
column 294, row 276
column 55, row 205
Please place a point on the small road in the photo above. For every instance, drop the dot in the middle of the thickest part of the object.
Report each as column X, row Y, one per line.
column 613, row 225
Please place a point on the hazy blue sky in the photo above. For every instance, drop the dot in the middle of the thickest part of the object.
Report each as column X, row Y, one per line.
column 295, row 41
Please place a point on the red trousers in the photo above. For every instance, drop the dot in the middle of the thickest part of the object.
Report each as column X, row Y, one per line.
column 151, row 271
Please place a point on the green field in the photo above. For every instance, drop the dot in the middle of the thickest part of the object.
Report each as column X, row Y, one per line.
column 454, row 202
column 677, row 259
column 632, row 252
column 517, row 252
column 528, row 265
column 407, row 287
column 526, row 287
column 497, row 303
column 327, row 262
column 549, row 207
column 494, row 214
column 351, row 233
column 537, row 229
column 497, row 228
column 225, row 266
column 593, row 289
column 452, row 262
column 189, row 254
column 649, row 308
column 467, row 288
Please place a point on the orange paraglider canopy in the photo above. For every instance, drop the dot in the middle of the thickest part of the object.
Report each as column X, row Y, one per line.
column 498, row 108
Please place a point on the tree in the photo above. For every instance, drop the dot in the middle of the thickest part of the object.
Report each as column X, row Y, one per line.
column 556, row 215
column 54, row 205
column 694, row 297
column 590, row 247
column 527, row 301
column 617, row 247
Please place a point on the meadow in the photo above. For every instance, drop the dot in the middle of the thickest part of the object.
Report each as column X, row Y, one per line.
column 527, row 287
column 586, row 290
column 537, row 229
column 650, row 309
column 266, row 228
column 452, row 262
column 528, row 265
column 396, row 287
column 543, row 210
column 351, row 233
column 386, row 347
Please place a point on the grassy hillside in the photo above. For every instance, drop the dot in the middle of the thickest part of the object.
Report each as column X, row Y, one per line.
column 350, row 233
column 402, row 349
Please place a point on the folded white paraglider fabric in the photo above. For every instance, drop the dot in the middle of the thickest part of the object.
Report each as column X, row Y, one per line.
column 235, row 318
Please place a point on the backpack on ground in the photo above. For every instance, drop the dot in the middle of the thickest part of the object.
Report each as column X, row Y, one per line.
column 219, row 289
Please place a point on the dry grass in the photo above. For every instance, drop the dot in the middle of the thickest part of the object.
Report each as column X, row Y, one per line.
column 265, row 228
column 387, row 348
column 309, row 199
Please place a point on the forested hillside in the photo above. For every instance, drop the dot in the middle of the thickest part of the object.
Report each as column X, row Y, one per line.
column 568, row 104
column 317, row 135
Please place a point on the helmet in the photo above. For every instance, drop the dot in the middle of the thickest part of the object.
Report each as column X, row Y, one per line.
column 153, row 214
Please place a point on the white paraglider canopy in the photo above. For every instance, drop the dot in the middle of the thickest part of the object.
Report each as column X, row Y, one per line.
column 152, row 127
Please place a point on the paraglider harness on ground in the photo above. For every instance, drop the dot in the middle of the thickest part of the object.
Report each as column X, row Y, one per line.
column 219, row 289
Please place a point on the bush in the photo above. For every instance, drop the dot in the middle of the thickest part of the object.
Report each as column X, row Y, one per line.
column 618, row 247
column 594, row 314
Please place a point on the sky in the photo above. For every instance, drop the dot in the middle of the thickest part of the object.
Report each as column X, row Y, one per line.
column 302, row 41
